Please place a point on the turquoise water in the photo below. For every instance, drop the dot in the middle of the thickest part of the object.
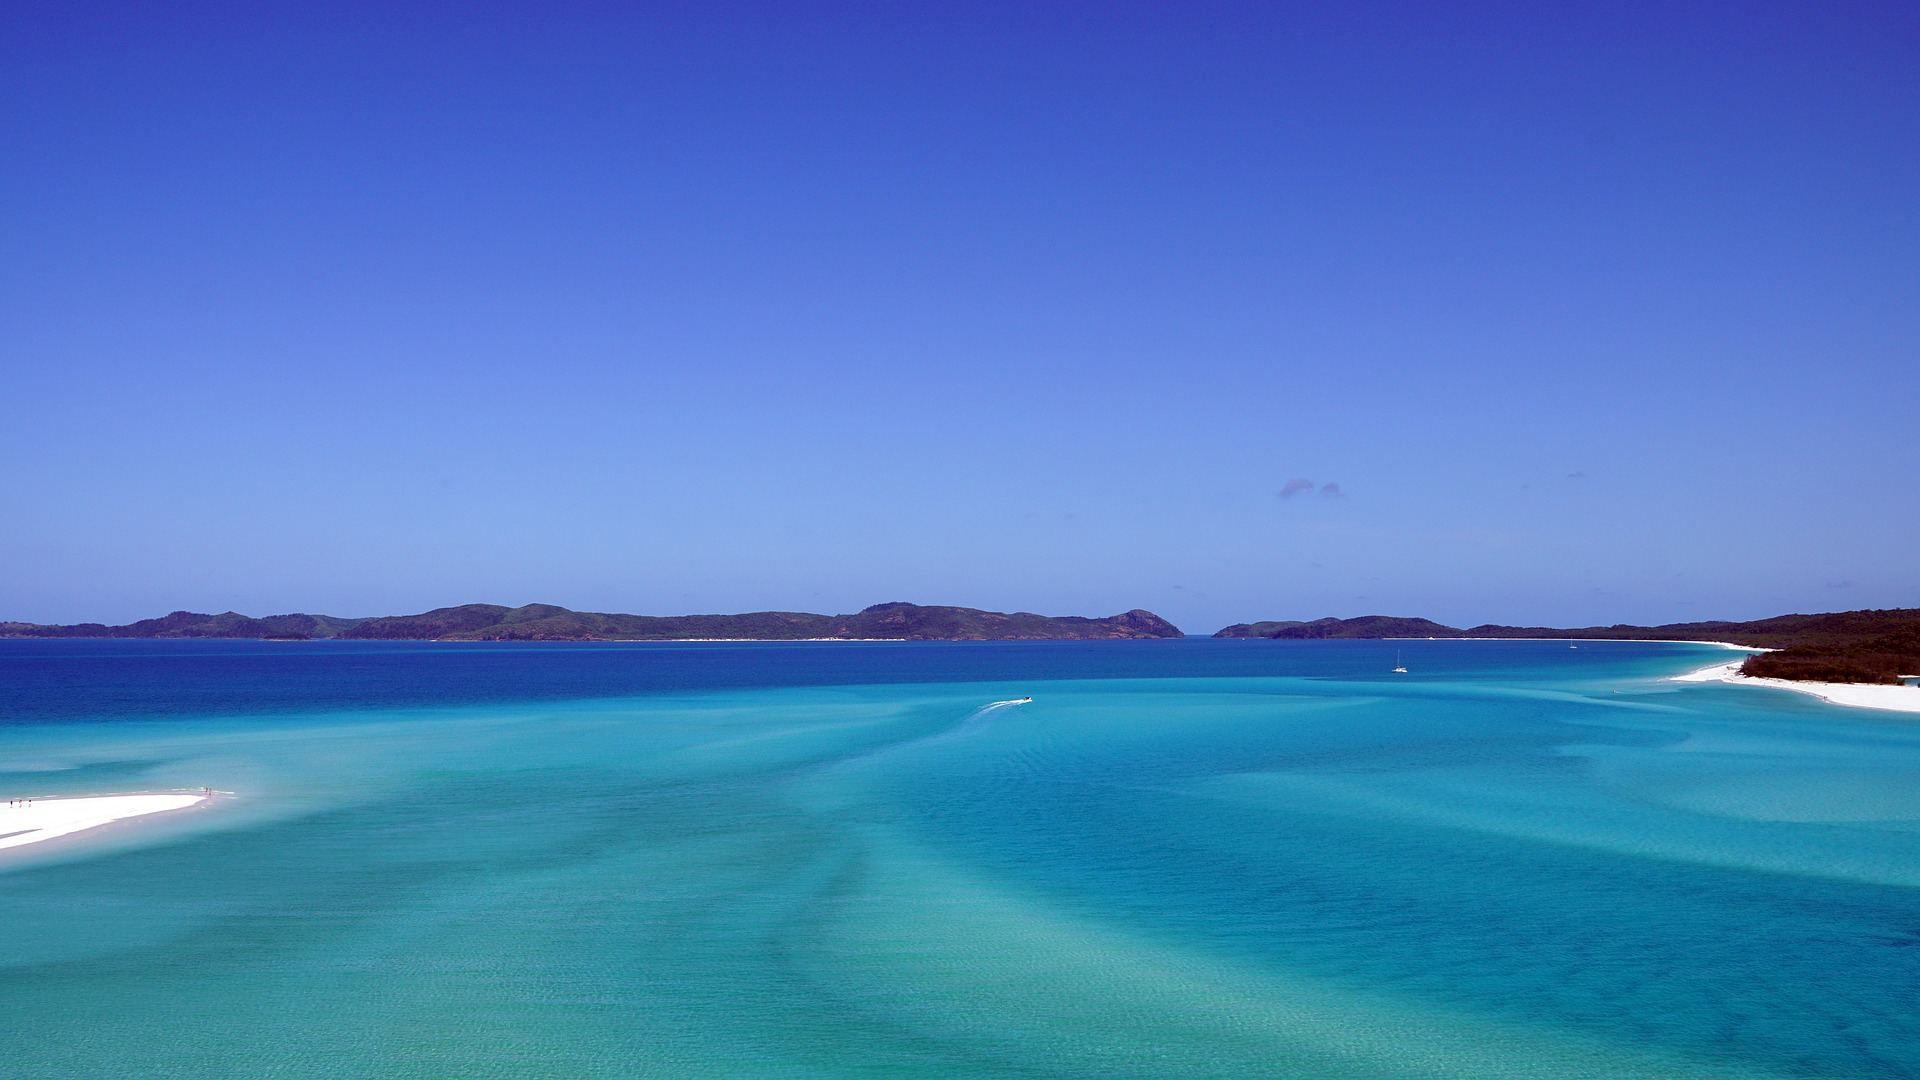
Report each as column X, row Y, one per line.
column 1189, row 858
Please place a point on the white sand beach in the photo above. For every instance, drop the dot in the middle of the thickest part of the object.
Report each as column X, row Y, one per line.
column 29, row 821
column 1578, row 640
column 1857, row 695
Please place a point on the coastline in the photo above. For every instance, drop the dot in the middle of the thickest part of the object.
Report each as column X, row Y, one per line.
column 571, row 640
column 1657, row 641
column 1881, row 696
column 35, row 820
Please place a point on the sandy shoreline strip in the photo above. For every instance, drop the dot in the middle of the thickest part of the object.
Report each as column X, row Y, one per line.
column 1635, row 640
column 29, row 821
column 1853, row 695
column 1856, row 695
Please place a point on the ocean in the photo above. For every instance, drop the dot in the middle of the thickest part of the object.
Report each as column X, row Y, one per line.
column 1181, row 858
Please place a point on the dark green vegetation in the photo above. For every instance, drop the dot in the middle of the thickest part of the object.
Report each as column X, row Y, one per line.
column 1366, row 626
column 1845, row 646
column 545, row 622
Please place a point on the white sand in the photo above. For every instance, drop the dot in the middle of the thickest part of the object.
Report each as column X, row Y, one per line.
column 1577, row 640
column 45, row 819
column 1858, row 695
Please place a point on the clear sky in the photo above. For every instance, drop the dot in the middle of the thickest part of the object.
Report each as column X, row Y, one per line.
column 1510, row 312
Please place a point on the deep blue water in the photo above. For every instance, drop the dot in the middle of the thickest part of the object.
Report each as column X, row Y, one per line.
column 1209, row 858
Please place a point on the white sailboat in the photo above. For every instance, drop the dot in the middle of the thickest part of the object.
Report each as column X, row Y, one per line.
column 1398, row 667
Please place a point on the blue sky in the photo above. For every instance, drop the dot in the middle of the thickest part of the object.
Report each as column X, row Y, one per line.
column 1590, row 315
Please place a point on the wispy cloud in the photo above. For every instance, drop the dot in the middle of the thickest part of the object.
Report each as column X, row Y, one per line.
column 1300, row 485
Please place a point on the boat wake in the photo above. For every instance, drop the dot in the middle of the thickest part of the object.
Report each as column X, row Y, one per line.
column 965, row 725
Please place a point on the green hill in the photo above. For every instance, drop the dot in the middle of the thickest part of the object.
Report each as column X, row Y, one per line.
column 1366, row 626
column 545, row 622
column 1875, row 646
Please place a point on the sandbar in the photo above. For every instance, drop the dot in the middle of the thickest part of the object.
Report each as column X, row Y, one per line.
column 30, row 821
column 1857, row 695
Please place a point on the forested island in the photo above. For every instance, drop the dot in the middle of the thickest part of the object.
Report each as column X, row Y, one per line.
column 1870, row 646
column 546, row 622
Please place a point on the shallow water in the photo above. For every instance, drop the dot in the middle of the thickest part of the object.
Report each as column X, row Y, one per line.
column 1202, row 857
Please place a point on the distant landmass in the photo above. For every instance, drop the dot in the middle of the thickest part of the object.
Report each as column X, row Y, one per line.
column 545, row 622
column 1873, row 646
column 1366, row 626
